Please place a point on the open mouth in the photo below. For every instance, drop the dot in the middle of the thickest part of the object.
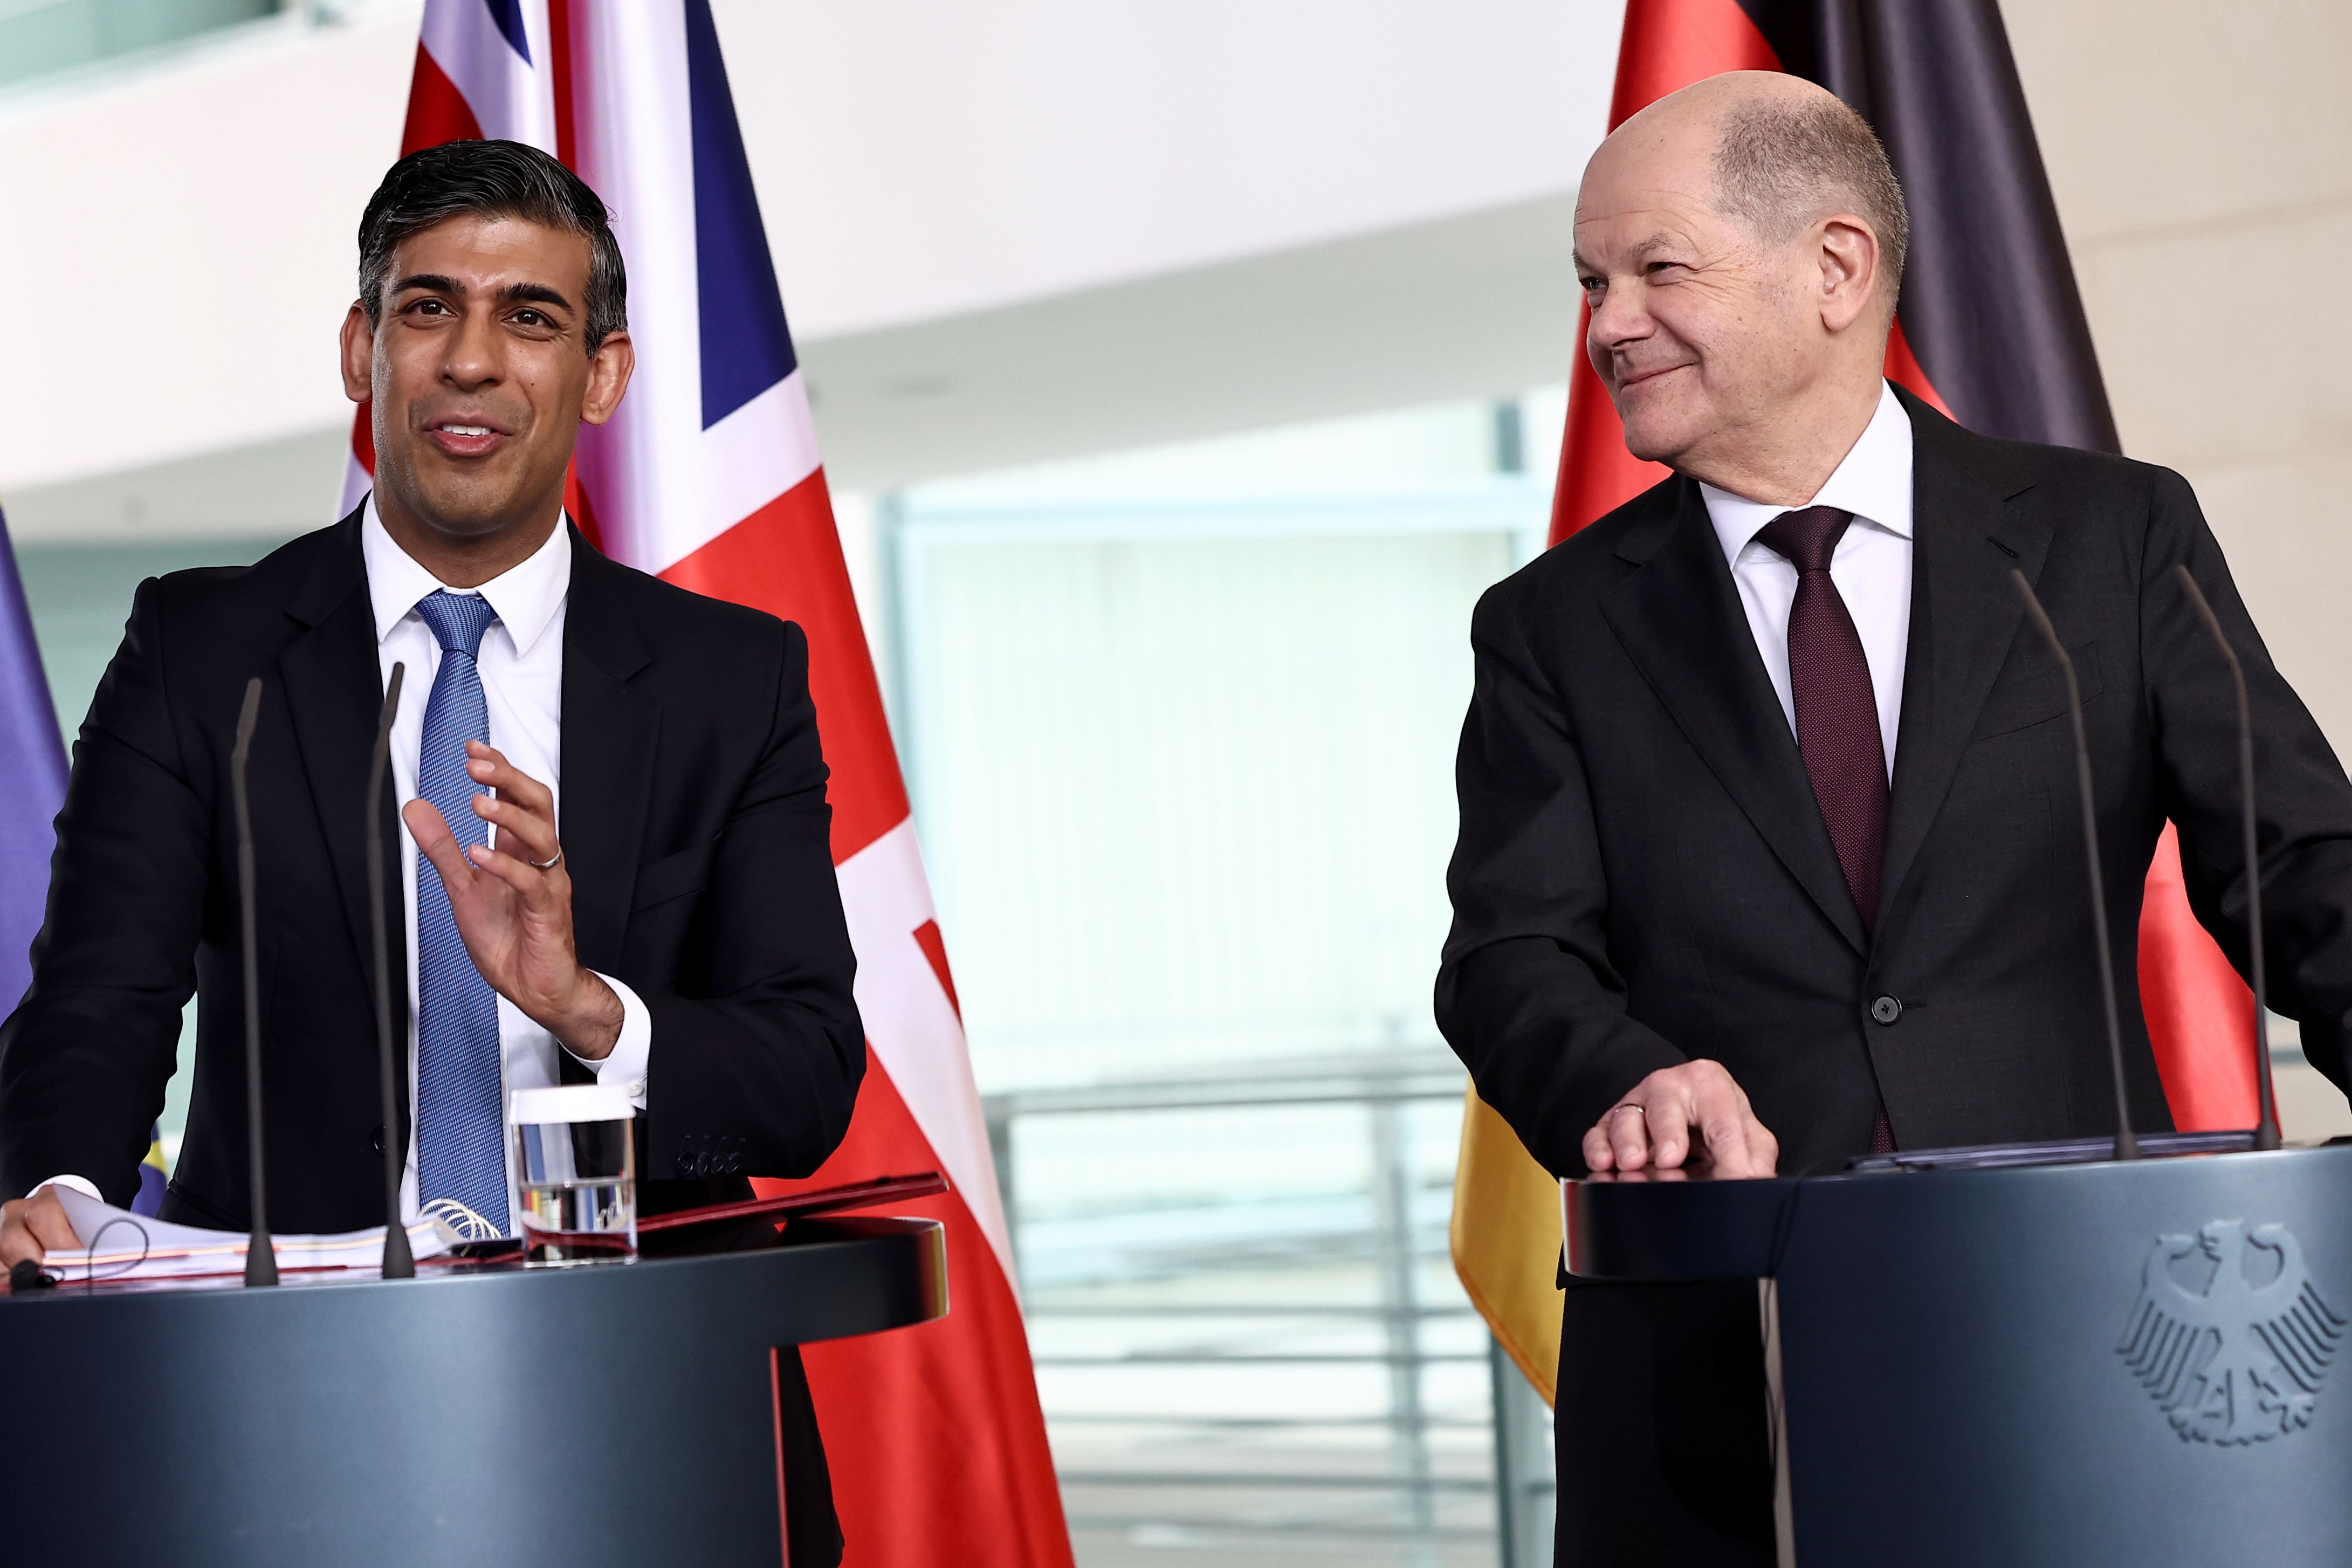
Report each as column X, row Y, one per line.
column 465, row 438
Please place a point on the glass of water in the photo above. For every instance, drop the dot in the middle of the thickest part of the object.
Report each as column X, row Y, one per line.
column 576, row 1165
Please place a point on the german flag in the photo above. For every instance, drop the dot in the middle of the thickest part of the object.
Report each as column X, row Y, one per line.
column 1992, row 333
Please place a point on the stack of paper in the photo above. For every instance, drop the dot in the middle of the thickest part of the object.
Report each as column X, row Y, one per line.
column 119, row 1245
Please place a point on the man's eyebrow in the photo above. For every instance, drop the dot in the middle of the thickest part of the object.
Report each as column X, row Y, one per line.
column 512, row 294
column 534, row 294
column 1661, row 240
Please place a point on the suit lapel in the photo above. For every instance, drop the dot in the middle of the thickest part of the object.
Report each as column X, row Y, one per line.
column 333, row 688
column 1680, row 619
column 1965, row 613
column 610, row 729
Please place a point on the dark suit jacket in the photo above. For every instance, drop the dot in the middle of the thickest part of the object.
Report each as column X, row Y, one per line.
column 1643, row 877
column 694, row 822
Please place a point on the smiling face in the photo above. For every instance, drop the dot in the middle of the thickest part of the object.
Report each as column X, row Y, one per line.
column 1699, row 325
column 1734, row 354
column 478, row 376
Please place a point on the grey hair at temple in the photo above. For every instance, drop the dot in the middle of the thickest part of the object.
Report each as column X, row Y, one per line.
column 1781, row 166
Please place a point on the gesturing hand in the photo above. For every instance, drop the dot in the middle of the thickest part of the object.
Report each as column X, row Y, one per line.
column 1651, row 1125
column 515, row 909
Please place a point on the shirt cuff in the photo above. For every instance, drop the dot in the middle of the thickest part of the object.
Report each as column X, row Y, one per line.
column 86, row 1188
column 624, row 1068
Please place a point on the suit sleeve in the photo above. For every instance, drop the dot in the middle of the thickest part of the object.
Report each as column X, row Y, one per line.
column 760, row 1070
column 2303, row 800
column 1526, row 991
column 85, row 1058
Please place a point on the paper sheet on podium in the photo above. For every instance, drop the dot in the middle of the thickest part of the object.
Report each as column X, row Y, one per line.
column 119, row 1245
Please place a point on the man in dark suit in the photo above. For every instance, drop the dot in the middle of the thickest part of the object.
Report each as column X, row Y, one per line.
column 1770, row 847
column 673, row 928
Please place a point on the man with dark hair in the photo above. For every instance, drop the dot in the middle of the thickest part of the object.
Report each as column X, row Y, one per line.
column 614, row 868
column 1769, row 852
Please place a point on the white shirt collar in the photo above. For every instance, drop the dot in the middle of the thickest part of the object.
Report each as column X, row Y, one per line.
column 525, row 596
column 1873, row 483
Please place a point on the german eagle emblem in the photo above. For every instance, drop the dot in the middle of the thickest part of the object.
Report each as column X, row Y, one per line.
column 2230, row 1336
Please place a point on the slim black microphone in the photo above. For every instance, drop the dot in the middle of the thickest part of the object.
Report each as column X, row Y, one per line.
column 2127, row 1146
column 398, row 1263
column 260, row 1262
column 2266, row 1126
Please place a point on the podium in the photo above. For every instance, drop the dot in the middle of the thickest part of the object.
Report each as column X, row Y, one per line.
column 2139, row 1363
column 611, row 1414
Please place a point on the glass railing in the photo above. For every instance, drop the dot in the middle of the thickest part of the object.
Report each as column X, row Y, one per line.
column 1250, row 1341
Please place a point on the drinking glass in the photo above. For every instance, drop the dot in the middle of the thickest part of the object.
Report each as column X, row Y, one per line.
column 576, row 1165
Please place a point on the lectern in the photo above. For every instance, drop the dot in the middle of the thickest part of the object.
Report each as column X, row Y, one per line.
column 614, row 1413
column 2079, row 1362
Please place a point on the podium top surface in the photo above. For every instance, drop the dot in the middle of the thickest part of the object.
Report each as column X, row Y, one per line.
column 1690, row 1225
column 825, row 1278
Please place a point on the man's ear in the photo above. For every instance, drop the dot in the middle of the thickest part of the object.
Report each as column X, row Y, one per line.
column 609, row 369
column 359, row 354
column 1848, row 250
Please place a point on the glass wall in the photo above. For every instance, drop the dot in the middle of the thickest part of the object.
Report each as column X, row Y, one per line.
column 1180, row 728
column 41, row 37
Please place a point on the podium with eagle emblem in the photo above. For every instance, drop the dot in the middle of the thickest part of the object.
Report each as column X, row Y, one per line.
column 2031, row 1355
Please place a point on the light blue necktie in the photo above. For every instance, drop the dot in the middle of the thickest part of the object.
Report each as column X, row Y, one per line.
column 460, row 1099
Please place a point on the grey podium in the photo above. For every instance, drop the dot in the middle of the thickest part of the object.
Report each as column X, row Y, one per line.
column 2074, row 1362
column 616, row 1414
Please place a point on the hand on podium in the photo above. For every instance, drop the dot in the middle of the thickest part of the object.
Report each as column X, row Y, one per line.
column 1652, row 1126
column 30, row 1226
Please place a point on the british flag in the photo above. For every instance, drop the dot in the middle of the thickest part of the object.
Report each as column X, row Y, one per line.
column 710, row 477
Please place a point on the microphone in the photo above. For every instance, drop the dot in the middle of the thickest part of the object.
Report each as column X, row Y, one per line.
column 2266, row 1126
column 2127, row 1146
column 260, row 1262
column 398, row 1263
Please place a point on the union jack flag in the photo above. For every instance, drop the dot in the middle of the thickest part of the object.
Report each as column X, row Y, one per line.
column 709, row 476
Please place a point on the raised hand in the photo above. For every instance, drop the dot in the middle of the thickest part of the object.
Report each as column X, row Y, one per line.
column 513, row 905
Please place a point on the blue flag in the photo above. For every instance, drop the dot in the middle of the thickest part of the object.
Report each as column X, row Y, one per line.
column 32, row 787
column 32, row 781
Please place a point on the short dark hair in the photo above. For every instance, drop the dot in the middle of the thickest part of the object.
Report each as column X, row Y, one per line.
column 492, row 180
column 1781, row 166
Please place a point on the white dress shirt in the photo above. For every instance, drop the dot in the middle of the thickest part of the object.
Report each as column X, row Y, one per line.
column 521, row 665
column 1871, row 565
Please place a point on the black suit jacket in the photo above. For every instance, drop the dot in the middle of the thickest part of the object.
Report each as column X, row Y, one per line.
column 694, row 822
column 1644, row 878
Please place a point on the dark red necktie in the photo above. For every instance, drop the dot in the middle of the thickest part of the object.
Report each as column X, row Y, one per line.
column 1837, row 712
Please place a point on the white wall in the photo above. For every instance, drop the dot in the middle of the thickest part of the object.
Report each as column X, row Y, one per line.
column 2202, row 162
column 180, row 242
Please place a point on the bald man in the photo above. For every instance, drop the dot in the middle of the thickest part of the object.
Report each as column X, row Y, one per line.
column 1769, row 850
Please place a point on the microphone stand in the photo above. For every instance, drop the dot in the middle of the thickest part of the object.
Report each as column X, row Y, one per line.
column 398, row 1262
column 2127, row 1146
column 2266, row 1125
column 260, row 1261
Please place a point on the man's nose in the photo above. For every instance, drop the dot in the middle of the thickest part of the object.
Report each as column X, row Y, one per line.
column 475, row 356
column 1619, row 318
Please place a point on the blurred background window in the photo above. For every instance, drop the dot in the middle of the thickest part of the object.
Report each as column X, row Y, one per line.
column 41, row 37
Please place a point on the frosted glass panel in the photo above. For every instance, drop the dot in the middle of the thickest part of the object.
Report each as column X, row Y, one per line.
column 1187, row 797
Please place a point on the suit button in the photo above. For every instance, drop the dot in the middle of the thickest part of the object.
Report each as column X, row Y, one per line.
column 1885, row 1010
column 376, row 1138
